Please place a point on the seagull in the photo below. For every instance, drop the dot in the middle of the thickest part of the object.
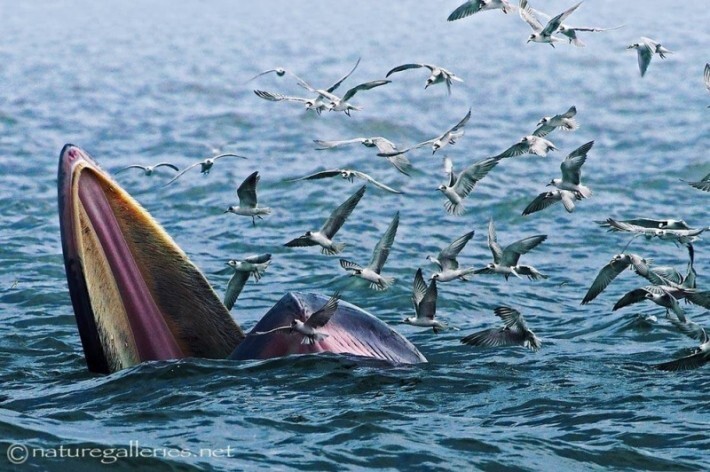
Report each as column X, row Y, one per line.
column 438, row 74
column 474, row 6
column 460, row 186
column 571, row 31
column 315, row 104
column 700, row 355
column 703, row 184
column 565, row 121
column 342, row 104
column 528, row 145
column 446, row 260
column 658, row 295
column 515, row 332
column 571, row 169
column 205, row 165
column 371, row 273
column 449, row 137
column 545, row 199
column 609, row 272
column 645, row 50
column 505, row 261
column 669, row 230
column 309, row 328
column 424, row 301
column 252, row 265
column 347, row 174
column 247, row 200
column 543, row 34
column 385, row 148
column 324, row 236
column 150, row 170
column 279, row 71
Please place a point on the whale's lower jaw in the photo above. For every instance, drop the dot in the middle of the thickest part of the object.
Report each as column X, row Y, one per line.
column 137, row 297
column 351, row 331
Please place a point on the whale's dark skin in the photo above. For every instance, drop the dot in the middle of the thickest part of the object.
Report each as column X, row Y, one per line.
column 137, row 296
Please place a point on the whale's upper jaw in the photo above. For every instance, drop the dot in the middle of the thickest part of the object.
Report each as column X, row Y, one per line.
column 136, row 296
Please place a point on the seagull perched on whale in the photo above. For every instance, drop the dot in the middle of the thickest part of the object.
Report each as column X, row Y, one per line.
column 438, row 74
column 309, row 328
column 347, row 174
column 150, row 170
column 385, row 148
column 515, row 332
column 252, row 265
column 248, row 205
column 505, row 261
column 324, row 236
column 424, row 301
column 372, row 273
column 205, row 165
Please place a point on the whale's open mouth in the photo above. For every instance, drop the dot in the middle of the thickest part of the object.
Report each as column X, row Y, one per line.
column 136, row 296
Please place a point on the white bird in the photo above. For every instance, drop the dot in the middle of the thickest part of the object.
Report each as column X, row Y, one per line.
column 645, row 50
column 372, row 273
column 611, row 270
column 548, row 124
column 424, row 301
column 309, row 328
column 317, row 104
column 571, row 31
column 703, row 184
column 571, row 169
column 543, row 34
column 657, row 294
column 343, row 104
column 505, row 261
column 385, row 148
column 324, row 236
column 546, row 199
column 150, row 170
column 252, row 265
column 279, row 71
column 700, row 355
column 437, row 76
column 448, row 137
column 205, row 165
column 460, row 186
column 474, row 6
column 669, row 230
column 248, row 205
column 446, row 260
column 528, row 145
column 514, row 332
column 347, row 174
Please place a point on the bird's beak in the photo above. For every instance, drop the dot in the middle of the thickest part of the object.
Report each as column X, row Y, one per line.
column 547, row 185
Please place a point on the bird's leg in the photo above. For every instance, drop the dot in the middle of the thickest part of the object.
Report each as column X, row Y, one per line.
column 553, row 46
column 253, row 222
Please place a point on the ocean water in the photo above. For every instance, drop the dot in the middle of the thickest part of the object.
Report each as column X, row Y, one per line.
column 143, row 82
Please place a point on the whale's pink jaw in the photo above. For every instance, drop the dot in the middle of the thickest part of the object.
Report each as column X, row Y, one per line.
column 135, row 294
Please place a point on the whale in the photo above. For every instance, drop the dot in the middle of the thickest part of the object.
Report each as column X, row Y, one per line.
column 137, row 297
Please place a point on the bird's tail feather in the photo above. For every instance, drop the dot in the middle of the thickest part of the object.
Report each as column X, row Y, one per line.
column 456, row 209
column 401, row 163
column 384, row 284
column 335, row 248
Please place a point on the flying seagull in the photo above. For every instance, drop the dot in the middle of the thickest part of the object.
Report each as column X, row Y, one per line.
column 385, row 148
column 446, row 260
column 703, row 184
column 474, row 6
column 248, row 205
column 279, row 71
column 514, row 332
column 347, row 174
column 571, row 169
column 543, row 34
column 371, row 273
column 252, row 265
column 324, row 236
column 205, row 165
column 611, row 270
column 315, row 104
column 528, row 145
column 546, row 199
column 437, row 76
column 309, row 328
column 571, row 31
column 150, row 170
column 505, row 261
column 669, row 230
column 448, row 137
column 459, row 186
column 700, row 355
column 645, row 50
column 565, row 121
column 342, row 104
column 424, row 301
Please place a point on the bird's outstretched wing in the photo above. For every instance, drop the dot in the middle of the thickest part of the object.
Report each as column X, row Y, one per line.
column 366, row 177
column 470, row 176
column 572, row 165
column 321, row 317
column 512, row 253
column 334, row 87
column 234, row 288
column 605, row 276
column 495, row 248
column 554, row 24
column 277, row 97
column 465, row 9
column 301, row 241
column 419, row 289
column 247, row 191
column 166, row 164
column 542, row 201
column 364, row 86
column 406, row 67
column 322, row 144
column 526, row 13
column 382, row 249
column 447, row 256
column 181, row 173
column 340, row 214
column 318, row 175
